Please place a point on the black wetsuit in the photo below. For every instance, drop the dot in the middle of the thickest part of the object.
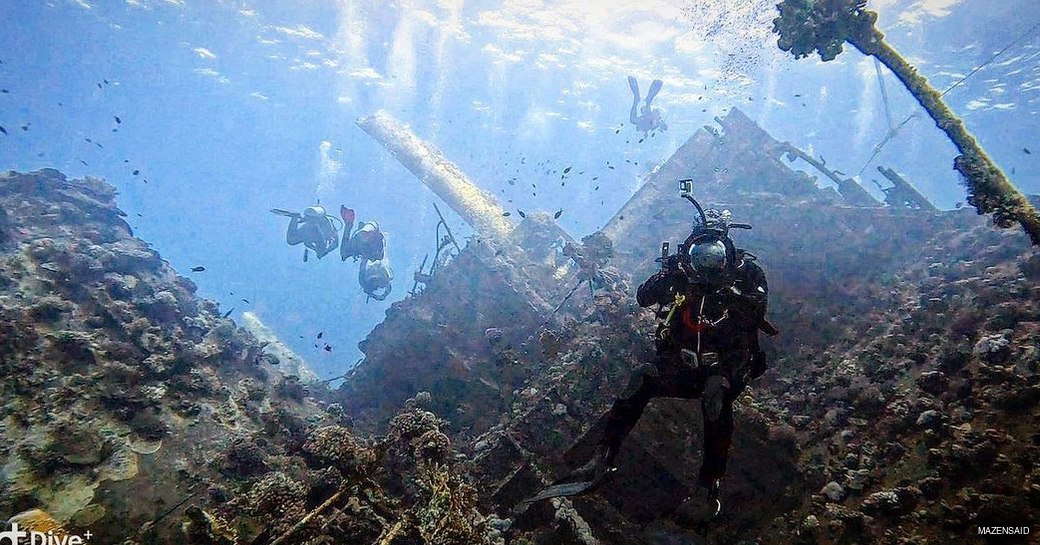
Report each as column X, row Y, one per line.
column 718, row 328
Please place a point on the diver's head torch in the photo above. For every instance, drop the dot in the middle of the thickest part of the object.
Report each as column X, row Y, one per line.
column 710, row 231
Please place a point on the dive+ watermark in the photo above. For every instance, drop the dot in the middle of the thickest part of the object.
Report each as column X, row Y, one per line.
column 1003, row 530
column 15, row 536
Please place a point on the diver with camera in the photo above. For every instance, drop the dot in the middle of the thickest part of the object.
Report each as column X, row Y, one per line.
column 711, row 299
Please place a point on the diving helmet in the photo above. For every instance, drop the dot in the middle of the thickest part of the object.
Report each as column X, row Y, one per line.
column 707, row 256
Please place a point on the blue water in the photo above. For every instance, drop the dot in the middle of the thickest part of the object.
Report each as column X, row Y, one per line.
column 231, row 108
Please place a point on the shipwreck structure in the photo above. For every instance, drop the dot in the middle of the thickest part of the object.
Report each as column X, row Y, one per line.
column 521, row 388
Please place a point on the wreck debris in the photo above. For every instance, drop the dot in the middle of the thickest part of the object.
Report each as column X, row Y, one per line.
column 439, row 259
column 901, row 194
column 850, row 190
column 477, row 207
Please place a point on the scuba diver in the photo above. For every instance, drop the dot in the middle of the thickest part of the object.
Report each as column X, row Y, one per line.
column 712, row 298
column 648, row 119
column 375, row 275
column 368, row 244
column 314, row 229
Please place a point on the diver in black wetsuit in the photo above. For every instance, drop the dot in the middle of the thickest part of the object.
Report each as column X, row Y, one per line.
column 646, row 119
column 707, row 348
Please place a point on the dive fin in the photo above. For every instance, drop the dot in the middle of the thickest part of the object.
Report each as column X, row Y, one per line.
column 655, row 88
column 635, row 87
column 346, row 213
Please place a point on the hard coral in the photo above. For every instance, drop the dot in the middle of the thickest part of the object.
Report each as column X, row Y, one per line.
column 279, row 499
column 336, row 446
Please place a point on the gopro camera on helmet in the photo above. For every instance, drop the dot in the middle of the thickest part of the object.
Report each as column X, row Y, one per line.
column 685, row 187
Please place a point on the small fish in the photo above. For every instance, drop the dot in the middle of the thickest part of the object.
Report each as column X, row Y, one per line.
column 228, row 313
column 25, row 127
column 105, row 80
column 621, row 217
column 84, row 162
column 136, row 172
column 1026, row 151
column 126, row 160
column 246, row 301
column 797, row 95
column 617, row 131
column 4, row 91
column 118, row 121
column 566, row 170
column 3, row 130
column 99, row 86
column 611, row 167
column 139, row 215
column 98, row 144
column 641, row 140
column 597, row 188
column 558, row 213
column 512, row 182
column 198, row 269
column 89, row 140
column 320, row 334
column 328, row 348
column 594, row 178
column 521, row 212
column 506, row 214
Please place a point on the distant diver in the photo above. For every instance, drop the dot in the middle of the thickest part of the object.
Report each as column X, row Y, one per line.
column 646, row 118
column 712, row 298
column 367, row 244
column 314, row 229
column 375, row 277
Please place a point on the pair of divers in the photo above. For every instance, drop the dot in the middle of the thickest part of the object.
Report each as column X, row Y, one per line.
column 711, row 298
column 317, row 231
